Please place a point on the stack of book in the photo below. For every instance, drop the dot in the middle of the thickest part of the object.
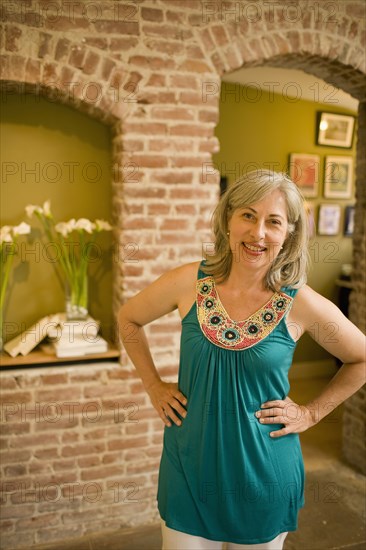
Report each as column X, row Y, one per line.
column 76, row 338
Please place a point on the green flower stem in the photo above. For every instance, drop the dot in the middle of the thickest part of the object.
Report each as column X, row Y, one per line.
column 72, row 264
column 78, row 282
column 53, row 237
column 8, row 263
column 5, row 272
column 83, row 268
column 59, row 240
column 65, row 260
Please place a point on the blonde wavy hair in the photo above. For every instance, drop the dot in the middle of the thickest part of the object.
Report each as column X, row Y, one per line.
column 290, row 266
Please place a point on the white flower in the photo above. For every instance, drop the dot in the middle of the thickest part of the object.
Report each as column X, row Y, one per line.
column 21, row 229
column 62, row 228
column 65, row 227
column 85, row 225
column 102, row 225
column 31, row 209
column 44, row 210
column 47, row 209
column 9, row 232
column 5, row 234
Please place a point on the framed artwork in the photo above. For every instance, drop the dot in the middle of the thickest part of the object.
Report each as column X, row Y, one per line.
column 338, row 176
column 304, row 171
column 349, row 221
column 335, row 130
column 223, row 184
column 329, row 219
column 310, row 211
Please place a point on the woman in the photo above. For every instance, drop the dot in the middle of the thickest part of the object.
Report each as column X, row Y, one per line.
column 231, row 469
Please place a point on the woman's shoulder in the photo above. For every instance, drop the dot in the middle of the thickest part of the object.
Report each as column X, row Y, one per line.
column 302, row 292
column 185, row 274
column 308, row 295
column 181, row 283
column 310, row 304
column 186, row 270
column 327, row 325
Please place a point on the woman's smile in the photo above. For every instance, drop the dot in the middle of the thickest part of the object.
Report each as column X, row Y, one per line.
column 254, row 249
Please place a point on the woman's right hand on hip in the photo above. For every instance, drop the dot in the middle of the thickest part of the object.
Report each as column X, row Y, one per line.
column 167, row 400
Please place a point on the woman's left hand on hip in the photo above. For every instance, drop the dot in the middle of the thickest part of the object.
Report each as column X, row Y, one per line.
column 295, row 418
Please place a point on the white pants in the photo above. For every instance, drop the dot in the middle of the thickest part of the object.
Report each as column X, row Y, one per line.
column 176, row 540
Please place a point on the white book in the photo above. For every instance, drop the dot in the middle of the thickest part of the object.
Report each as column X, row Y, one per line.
column 59, row 327
column 28, row 339
column 80, row 350
column 84, row 332
column 79, row 343
column 77, row 340
column 77, row 351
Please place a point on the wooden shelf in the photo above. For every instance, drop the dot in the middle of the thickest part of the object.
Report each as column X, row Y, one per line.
column 40, row 357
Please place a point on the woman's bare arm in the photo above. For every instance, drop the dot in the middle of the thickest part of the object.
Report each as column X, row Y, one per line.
column 327, row 325
column 161, row 297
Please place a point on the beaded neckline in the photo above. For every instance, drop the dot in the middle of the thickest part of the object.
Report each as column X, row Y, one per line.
column 222, row 331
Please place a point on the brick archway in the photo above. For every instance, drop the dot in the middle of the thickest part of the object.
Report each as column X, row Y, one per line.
column 70, row 76
column 287, row 37
column 93, row 84
column 151, row 74
column 337, row 57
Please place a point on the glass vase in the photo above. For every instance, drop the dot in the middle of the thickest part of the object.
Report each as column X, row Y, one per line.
column 77, row 299
column 1, row 332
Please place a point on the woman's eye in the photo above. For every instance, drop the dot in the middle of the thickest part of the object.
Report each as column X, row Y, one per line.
column 276, row 222
column 247, row 215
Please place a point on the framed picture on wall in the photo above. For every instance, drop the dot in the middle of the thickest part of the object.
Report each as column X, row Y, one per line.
column 335, row 130
column 329, row 219
column 338, row 176
column 223, row 184
column 349, row 221
column 304, row 171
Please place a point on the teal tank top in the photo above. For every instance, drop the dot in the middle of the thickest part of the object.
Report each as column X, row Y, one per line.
column 221, row 475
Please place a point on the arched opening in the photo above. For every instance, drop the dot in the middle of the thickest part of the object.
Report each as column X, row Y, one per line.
column 277, row 113
column 347, row 79
column 58, row 149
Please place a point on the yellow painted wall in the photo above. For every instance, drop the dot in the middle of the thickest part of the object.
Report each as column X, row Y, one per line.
column 259, row 130
column 39, row 141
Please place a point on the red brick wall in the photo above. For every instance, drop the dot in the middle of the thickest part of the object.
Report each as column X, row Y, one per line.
column 151, row 70
column 78, row 454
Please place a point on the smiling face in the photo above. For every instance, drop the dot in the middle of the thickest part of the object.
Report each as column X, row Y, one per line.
column 258, row 231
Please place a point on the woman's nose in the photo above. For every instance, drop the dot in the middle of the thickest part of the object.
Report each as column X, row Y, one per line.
column 258, row 230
